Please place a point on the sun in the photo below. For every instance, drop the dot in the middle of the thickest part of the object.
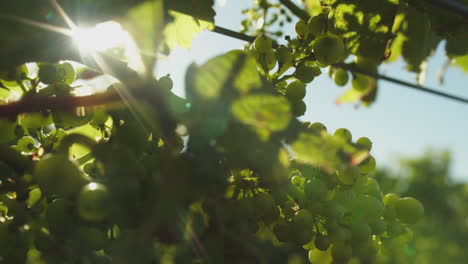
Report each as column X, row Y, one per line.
column 105, row 37
column 101, row 37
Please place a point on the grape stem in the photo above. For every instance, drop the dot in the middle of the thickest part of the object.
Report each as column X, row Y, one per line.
column 353, row 68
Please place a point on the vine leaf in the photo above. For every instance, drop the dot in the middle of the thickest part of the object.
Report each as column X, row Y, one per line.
column 183, row 30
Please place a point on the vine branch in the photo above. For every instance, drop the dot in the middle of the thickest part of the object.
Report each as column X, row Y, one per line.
column 299, row 12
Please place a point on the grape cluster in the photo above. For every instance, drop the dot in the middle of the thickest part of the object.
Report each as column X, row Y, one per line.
column 137, row 195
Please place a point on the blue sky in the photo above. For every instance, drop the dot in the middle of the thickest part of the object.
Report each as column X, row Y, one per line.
column 402, row 123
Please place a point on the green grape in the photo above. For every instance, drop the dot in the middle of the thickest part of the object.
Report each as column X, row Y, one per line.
column 315, row 189
column 26, row 144
column 7, row 130
column 333, row 210
column 265, row 207
column 338, row 233
column 389, row 213
column 43, row 240
column 58, row 175
column 307, row 74
column 360, row 231
column 344, row 133
column 66, row 72
column 340, row 77
column 317, row 127
column 303, row 219
column 328, row 49
column 360, row 82
column 322, row 242
column 296, row 90
column 368, row 165
column 284, row 55
column 48, row 73
column 263, row 43
column 341, row 251
column 373, row 188
column 301, row 28
column 390, row 199
column 409, row 210
column 166, row 83
column 366, row 64
column 369, row 207
column 282, row 231
column 92, row 237
column 33, row 121
column 93, row 202
column 378, row 227
column 364, row 142
column 298, row 108
column 59, row 218
column 317, row 24
column 348, row 176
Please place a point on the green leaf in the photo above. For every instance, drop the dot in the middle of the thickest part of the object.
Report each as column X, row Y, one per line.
column 199, row 9
column 325, row 151
column 461, row 62
column 183, row 30
column 263, row 111
column 212, row 87
column 366, row 27
column 146, row 32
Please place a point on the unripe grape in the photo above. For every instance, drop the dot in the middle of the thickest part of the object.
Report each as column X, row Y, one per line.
column 66, row 72
column 93, row 202
column 315, row 189
column 283, row 55
column 341, row 251
column 360, row 231
column 307, row 74
column 328, row 49
column 368, row 165
column 341, row 77
column 58, row 175
column 282, row 231
column 378, row 227
column 390, row 199
column 343, row 133
column 298, row 108
column 409, row 210
column 316, row 24
column 48, row 73
column 296, row 90
column 270, row 59
column 263, row 43
column 303, row 219
column 301, row 28
column 322, row 242
column 317, row 127
column 360, row 82
column 165, row 83
column 348, row 176
column 373, row 188
column 364, row 142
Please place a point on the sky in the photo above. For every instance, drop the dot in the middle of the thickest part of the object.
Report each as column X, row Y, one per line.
column 401, row 123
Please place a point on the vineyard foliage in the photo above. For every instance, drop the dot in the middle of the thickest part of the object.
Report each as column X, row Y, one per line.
column 229, row 174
